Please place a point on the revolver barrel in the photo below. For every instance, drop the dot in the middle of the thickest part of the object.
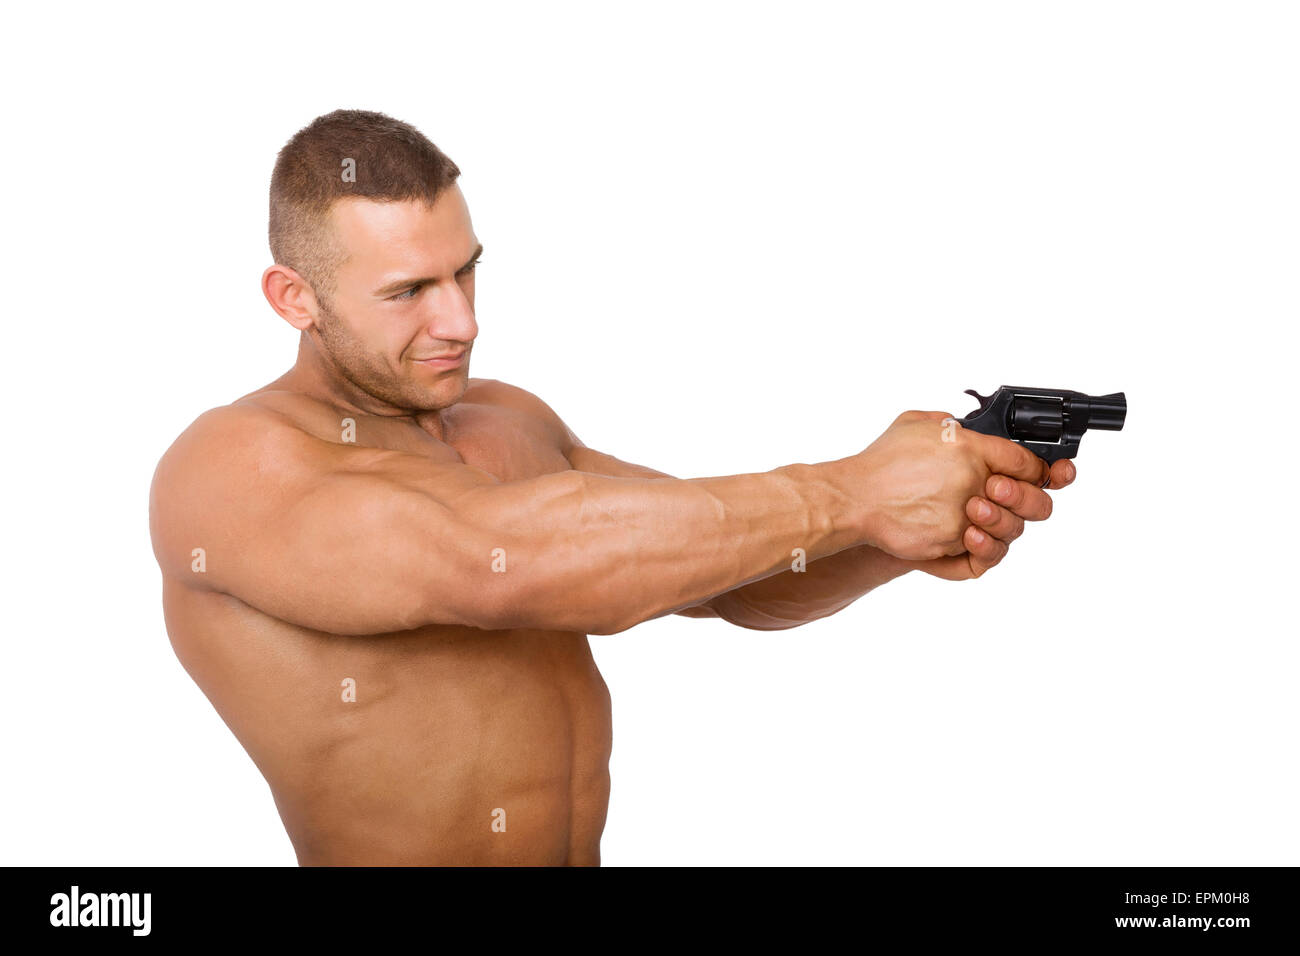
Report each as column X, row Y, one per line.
column 1107, row 412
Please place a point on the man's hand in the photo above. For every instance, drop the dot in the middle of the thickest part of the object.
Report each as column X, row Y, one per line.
column 919, row 476
column 998, row 518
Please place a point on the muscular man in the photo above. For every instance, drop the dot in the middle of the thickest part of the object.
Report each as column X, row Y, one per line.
column 383, row 573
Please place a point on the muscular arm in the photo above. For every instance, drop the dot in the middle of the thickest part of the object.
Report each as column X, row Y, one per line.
column 354, row 540
column 787, row 599
column 827, row 585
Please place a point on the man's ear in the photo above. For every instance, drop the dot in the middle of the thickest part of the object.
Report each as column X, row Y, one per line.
column 291, row 296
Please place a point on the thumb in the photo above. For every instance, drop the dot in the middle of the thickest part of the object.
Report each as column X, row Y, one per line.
column 1005, row 457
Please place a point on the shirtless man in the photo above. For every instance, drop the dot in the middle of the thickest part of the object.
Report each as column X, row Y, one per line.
column 382, row 573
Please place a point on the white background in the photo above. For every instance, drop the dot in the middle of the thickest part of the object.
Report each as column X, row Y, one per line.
column 718, row 238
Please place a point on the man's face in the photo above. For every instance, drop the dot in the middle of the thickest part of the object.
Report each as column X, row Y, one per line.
column 403, row 298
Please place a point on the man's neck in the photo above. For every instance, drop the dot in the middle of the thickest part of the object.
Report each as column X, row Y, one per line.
column 317, row 377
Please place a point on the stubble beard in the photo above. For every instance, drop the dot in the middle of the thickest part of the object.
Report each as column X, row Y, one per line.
column 371, row 374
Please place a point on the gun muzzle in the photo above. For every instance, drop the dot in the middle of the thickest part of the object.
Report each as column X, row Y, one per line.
column 1107, row 411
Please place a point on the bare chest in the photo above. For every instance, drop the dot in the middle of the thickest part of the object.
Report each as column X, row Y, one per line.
column 505, row 443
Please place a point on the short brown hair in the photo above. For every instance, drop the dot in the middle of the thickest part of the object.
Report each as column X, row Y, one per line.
column 393, row 161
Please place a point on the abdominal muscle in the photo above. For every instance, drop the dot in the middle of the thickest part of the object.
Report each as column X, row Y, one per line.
column 461, row 746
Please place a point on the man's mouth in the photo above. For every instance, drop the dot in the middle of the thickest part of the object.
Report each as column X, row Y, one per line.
column 446, row 360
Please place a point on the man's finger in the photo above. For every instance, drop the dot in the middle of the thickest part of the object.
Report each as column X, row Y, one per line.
column 985, row 550
column 956, row 568
column 994, row 519
column 1005, row 457
column 1021, row 497
column 1063, row 473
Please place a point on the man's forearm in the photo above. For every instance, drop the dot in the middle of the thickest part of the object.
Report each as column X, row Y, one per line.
column 822, row 588
column 578, row 551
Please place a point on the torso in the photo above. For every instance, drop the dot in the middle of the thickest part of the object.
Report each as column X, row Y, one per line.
column 462, row 745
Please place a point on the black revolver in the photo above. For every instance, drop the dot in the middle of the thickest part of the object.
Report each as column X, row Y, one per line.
column 1049, row 422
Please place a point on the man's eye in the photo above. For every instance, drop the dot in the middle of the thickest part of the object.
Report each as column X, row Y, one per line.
column 411, row 292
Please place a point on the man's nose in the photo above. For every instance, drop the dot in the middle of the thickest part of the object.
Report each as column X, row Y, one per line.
column 453, row 315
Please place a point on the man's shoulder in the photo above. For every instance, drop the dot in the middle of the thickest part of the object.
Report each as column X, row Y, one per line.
column 210, row 466
column 260, row 424
column 498, row 394
column 227, row 453
column 493, row 391
column 256, row 424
